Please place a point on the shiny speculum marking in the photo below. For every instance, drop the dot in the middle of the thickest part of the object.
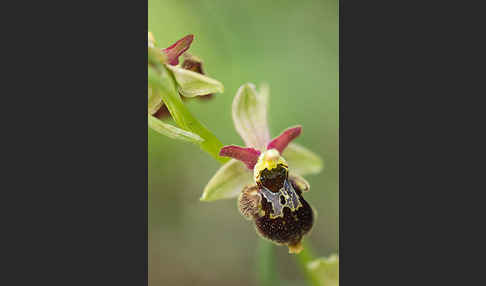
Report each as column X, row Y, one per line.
column 285, row 197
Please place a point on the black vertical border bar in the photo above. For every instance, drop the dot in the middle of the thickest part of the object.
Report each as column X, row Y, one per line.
column 82, row 187
column 144, row 108
column 411, row 122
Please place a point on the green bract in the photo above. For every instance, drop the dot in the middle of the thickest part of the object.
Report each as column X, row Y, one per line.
column 172, row 131
column 325, row 270
column 250, row 120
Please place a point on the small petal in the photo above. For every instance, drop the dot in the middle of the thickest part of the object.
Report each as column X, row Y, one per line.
column 191, row 84
column 249, row 155
column 301, row 160
column 228, row 182
column 299, row 182
column 250, row 116
column 326, row 270
column 282, row 140
column 178, row 48
column 172, row 131
column 192, row 63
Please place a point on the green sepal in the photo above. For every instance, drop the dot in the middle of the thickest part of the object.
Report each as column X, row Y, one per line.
column 301, row 160
column 228, row 182
column 249, row 111
column 191, row 84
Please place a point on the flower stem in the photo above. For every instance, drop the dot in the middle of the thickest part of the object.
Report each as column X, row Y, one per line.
column 303, row 258
column 266, row 264
column 160, row 77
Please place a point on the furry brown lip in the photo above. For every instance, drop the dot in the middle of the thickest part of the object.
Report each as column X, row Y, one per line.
column 283, row 221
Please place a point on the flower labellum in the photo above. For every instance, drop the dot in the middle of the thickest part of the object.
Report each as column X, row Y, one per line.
column 276, row 204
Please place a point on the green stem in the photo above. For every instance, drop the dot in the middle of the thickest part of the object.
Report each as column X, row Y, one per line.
column 303, row 258
column 266, row 264
column 165, row 82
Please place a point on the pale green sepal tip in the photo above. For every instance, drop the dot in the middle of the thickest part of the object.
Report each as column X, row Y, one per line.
column 264, row 92
column 249, row 111
column 301, row 160
column 326, row 270
column 228, row 182
column 191, row 84
column 172, row 131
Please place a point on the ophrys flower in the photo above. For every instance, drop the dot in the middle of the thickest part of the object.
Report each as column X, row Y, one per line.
column 168, row 84
column 189, row 76
column 266, row 174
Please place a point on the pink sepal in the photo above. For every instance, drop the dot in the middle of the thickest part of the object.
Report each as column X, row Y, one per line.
column 177, row 49
column 247, row 155
column 281, row 141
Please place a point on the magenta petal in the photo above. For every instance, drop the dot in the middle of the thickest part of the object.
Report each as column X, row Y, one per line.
column 281, row 141
column 248, row 155
column 178, row 48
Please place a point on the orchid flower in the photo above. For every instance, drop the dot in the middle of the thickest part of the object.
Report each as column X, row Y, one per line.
column 172, row 82
column 191, row 63
column 266, row 174
column 190, row 78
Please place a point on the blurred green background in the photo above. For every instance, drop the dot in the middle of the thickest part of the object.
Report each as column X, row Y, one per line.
column 293, row 46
